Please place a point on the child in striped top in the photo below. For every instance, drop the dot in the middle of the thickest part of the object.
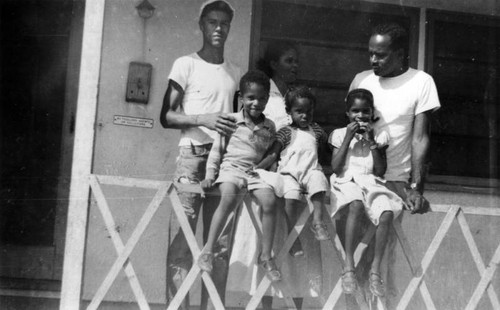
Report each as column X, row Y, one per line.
column 299, row 171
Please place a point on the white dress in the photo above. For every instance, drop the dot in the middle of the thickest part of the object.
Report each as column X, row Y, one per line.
column 357, row 182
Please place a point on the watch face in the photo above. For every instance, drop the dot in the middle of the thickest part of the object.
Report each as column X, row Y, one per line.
column 413, row 185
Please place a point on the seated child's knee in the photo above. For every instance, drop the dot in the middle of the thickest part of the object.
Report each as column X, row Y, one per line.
column 356, row 208
column 386, row 217
column 268, row 208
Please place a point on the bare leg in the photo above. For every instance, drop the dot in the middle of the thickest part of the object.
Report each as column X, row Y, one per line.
column 377, row 287
column 381, row 239
column 230, row 198
column 221, row 262
column 179, row 259
column 292, row 207
column 354, row 216
column 318, row 203
column 265, row 197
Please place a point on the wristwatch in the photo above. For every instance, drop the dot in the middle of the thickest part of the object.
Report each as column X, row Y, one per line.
column 414, row 186
column 373, row 146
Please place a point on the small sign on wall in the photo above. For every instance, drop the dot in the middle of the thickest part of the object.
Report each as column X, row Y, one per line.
column 138, row 82
column 133, row 121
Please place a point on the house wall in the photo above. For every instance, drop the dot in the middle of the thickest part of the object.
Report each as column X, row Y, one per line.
column 150, row 153
column 139, row 152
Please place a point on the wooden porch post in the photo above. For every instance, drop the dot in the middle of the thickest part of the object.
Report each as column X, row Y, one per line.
column 82, row 155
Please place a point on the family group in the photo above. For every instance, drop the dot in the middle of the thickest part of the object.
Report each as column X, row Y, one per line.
column 254, row 134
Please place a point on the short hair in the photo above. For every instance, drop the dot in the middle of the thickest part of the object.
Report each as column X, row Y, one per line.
column 254, row 77
column 273, row 52
column 398, row 35
column 359, row 93
column 300, row 91
column 219, row 5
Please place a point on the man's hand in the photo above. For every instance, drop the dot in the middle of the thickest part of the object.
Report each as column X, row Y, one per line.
column 207, row 184
column 416, row 202
column 222, row 123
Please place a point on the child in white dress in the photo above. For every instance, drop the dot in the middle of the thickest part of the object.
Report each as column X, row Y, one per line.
column 299, row 172
column 358, row 165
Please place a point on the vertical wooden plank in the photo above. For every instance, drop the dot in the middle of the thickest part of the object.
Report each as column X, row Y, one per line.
column 255, row 33
column 82, row 155
column 421, row 39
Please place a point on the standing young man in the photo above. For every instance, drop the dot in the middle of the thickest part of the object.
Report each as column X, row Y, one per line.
column 404, row 99
column 198, row 99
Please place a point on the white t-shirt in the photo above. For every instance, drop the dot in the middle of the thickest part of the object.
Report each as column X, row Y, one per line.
column 208, row 88
column 397, row 101
column 275, row 108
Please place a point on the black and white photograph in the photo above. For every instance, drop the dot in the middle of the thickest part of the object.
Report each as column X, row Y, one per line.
column 250, row 154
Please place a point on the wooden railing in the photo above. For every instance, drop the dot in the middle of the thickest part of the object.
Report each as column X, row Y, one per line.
column 167, row 190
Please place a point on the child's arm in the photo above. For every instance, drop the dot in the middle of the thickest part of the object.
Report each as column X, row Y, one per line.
column 339, row 154
column 213, row 162
column 283, row 137
column 271, row 156
column 379, row 159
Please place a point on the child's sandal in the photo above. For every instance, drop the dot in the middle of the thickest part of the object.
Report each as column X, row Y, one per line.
column 377, row 287
column 271, row 269
column 205, row 261
column 349, row 281
column 320, row 231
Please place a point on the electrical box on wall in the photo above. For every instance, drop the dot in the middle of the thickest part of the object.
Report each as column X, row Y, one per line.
column 138, row 82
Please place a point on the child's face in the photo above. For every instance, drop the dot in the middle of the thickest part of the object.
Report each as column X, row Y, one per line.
column 254, row 99
column 301, row 112
column 360, row 111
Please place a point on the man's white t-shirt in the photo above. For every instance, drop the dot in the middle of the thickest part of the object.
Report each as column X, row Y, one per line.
column 208, row 88
column 397, row 101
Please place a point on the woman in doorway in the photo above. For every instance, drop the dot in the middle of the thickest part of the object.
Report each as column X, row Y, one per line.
column 302, row 269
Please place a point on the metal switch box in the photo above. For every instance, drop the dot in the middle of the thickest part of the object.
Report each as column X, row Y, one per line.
column 138, row 82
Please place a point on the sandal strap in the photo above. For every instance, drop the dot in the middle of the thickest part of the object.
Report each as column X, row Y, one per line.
column 321, row 224
column 374, row 276
column 348, row 271
column 269, row 264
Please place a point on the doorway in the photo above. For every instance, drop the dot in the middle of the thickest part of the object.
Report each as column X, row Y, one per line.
column 39, row 55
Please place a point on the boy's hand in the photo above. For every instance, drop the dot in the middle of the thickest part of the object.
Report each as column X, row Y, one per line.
column 351, row 129
column 207, row 184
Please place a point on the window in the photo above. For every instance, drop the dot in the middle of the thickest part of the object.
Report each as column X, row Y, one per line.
column 463, row 57
column 332, row 40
